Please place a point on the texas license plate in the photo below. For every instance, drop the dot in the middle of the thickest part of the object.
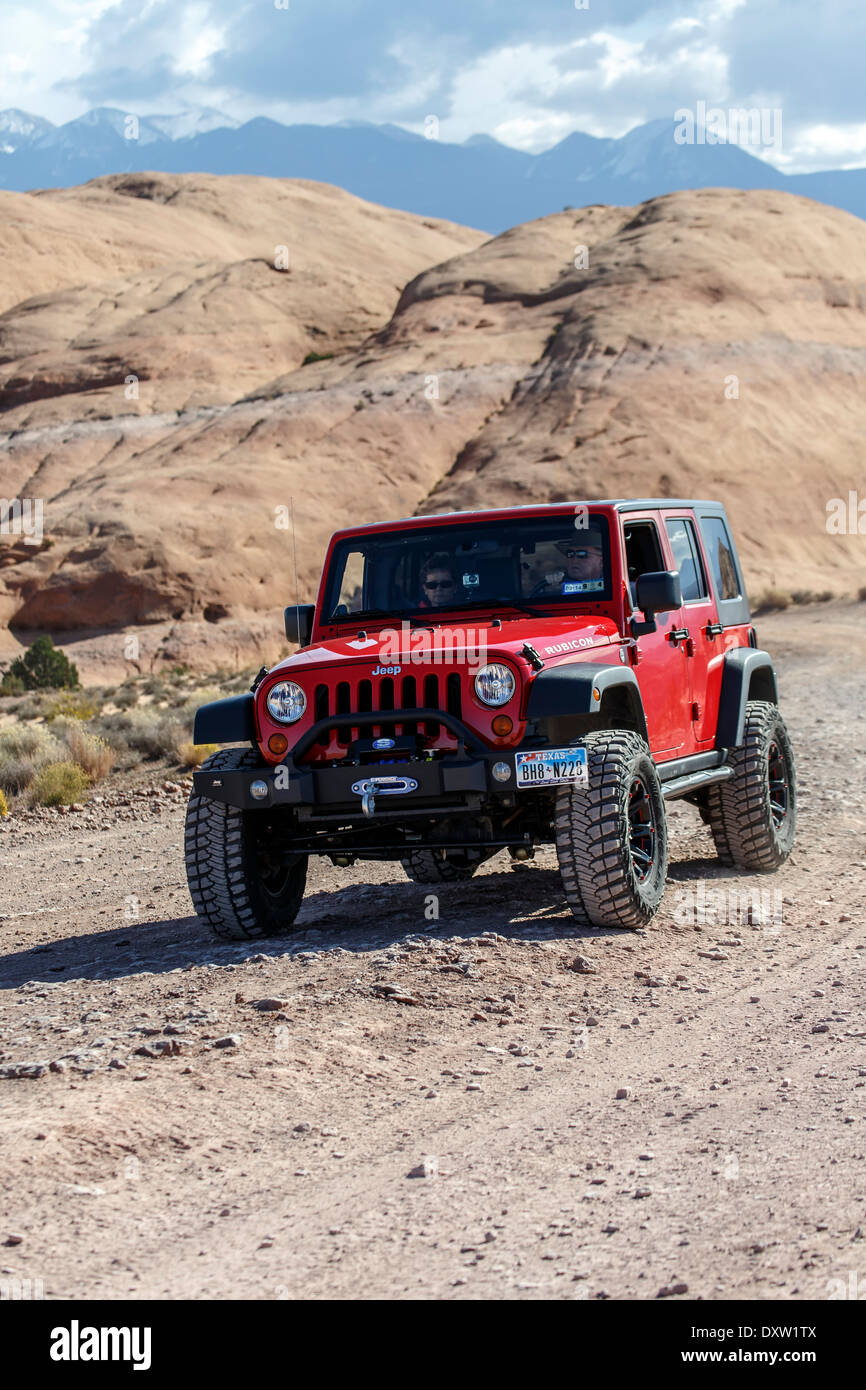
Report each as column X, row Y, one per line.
column 551, row 767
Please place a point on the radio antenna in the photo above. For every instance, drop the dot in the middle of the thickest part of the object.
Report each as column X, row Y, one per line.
column 295, row 562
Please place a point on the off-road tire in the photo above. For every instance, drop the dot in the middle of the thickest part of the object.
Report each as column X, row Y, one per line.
column 423, row 866
column 744, row 811
column 227, row 881
column 598, row 834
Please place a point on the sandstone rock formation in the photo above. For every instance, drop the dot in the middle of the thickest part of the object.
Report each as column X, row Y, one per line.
column 709, row 343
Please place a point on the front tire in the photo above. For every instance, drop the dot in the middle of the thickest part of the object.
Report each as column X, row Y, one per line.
column 753, row 815
column 236, row 886
column 611, row 837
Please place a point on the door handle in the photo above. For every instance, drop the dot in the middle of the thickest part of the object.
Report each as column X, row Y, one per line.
column 713, row 630
column 678, row 634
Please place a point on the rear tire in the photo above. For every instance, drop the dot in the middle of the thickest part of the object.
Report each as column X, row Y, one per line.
column 611, row 837
column 753, row 815
column 234, row 886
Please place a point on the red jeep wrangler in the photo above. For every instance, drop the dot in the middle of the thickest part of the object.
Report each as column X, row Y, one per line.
column 499, row 680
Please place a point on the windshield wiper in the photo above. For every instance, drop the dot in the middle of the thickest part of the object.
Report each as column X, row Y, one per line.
column 523, row 607
column 358, row 619
column 499, row 602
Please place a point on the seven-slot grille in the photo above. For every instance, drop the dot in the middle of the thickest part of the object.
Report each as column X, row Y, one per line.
column 358, row 695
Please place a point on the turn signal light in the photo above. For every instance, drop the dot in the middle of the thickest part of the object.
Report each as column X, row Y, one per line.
column 502, row 725
column 278, row 743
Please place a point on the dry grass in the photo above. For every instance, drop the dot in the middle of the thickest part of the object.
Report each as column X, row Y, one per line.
column 194, row 754
column 92, row 754
column 772, row 601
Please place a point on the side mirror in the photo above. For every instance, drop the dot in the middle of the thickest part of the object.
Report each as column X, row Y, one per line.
column 299, row 623
column 659, row 592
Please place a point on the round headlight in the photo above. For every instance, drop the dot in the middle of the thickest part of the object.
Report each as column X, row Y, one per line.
column 286, row 702
column 495, row 684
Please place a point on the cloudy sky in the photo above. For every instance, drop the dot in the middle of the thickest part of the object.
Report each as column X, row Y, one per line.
column 526, row 71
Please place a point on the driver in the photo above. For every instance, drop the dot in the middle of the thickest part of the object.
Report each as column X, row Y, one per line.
column 438, row 581
column 584, row 563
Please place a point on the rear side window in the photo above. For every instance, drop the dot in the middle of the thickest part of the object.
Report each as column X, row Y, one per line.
column 684, row 544
column 642, row 550
column 721, row 555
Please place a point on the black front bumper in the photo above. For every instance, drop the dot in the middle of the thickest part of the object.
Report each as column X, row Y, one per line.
column 463, row 777
column 439, row 781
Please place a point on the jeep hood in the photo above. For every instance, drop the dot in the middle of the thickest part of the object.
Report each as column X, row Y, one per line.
column 457, row 643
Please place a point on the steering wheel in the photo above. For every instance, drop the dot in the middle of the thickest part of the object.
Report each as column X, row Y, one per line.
column 541, row 587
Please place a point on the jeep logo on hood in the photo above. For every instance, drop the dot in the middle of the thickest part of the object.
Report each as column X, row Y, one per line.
column 386, row 670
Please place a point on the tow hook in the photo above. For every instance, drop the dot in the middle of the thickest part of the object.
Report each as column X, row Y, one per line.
column 371, row 787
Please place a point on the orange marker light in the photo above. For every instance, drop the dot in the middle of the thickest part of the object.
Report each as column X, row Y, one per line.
column 278, row 743
column 502, row 725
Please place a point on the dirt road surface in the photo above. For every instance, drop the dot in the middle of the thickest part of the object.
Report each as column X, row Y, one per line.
column 166, row 1135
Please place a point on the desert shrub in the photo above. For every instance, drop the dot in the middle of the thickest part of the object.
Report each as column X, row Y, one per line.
column 4, row 805
column 861, row 594
column 72, row 706
column 41, row 667
column 193, row 754
column 316, row 357
column 93, row 754
column 826, row 596
column 803, row 596
column 58, row 784
column 150, row 732
column 156, row 687
column 23, row 751
column 192, row 700
column 240, row 683
column 126, row 697
column 773, row 601
column 32, row 706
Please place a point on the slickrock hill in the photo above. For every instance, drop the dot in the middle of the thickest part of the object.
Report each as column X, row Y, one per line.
column 707, row 343
column 200, row 286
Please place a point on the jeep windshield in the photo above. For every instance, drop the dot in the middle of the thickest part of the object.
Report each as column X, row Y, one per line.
column 423, row 571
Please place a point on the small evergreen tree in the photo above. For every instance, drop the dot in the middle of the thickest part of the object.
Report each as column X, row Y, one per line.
column 42, row 667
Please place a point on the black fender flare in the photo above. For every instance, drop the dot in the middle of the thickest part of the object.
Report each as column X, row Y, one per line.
column 580, row 689
column 748, row 674
column 226, row 721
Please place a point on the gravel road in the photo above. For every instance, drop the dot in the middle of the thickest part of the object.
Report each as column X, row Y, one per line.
column 395, row 1104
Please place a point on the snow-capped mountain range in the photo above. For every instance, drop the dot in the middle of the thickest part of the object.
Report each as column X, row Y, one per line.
column 480, row 183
